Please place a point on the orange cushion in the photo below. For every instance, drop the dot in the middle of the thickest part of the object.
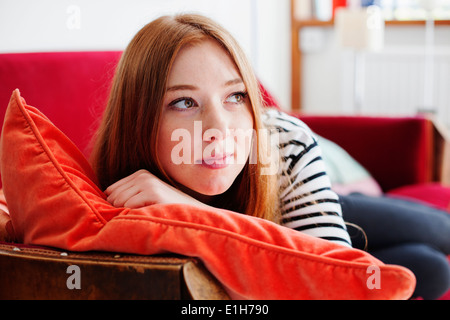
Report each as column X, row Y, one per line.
column 6, row 231
column 53, row 200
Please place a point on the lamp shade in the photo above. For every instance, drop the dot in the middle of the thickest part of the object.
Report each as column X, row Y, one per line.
column 360, row 28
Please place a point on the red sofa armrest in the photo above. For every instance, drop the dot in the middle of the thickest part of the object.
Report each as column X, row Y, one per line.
column 397, row 151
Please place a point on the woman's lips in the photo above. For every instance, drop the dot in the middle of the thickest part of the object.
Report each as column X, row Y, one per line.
column 217, row 162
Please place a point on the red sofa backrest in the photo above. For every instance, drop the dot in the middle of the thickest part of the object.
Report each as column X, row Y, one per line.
column 397, row 151
column 70, row 88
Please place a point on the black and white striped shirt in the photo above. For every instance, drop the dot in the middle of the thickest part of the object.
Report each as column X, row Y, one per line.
column 307, row 202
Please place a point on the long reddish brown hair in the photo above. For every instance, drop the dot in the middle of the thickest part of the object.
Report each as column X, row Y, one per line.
column 127, row 137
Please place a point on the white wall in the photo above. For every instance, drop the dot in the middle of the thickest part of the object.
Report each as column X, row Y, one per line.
column 260, row 26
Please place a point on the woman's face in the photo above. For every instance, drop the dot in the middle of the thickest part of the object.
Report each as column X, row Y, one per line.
column 206, row 124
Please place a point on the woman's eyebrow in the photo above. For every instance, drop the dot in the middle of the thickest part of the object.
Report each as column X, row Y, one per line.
column 233, row 82
column 191, row 87
column 182, row 87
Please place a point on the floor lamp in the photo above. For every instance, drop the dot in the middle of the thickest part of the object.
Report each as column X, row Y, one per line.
column 361, row 30
column 428, row 99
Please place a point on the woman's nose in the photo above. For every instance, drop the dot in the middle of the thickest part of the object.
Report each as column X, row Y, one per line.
column 215, row 123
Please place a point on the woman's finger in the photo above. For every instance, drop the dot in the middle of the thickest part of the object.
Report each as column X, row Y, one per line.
column 138, row 200
column 122, row 182
column 119, row 197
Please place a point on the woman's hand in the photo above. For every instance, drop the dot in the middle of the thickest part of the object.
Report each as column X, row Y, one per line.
column 142, row 188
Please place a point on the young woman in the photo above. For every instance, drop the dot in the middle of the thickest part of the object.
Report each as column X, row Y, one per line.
column 175, row 130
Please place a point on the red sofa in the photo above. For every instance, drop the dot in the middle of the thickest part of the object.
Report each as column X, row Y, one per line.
column 404, row 154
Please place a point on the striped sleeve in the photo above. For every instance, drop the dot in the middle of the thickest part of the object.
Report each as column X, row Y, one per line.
column 307, row 202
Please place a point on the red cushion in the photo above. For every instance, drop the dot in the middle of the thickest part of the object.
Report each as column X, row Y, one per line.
column 431, row 193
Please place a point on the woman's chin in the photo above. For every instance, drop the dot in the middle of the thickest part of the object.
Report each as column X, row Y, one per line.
column 206, row 193
column 212, row 191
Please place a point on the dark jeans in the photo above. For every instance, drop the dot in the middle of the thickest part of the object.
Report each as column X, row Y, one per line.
column 405, row 233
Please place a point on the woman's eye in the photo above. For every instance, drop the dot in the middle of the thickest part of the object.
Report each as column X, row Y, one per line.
column 184, row 103
column 237, row 97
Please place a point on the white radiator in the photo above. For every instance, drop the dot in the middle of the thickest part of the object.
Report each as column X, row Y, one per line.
column 401, row 81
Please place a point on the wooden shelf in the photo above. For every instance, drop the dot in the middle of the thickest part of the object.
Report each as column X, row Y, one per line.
column 313, row 23
column 416, row 22
column 330, row 23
